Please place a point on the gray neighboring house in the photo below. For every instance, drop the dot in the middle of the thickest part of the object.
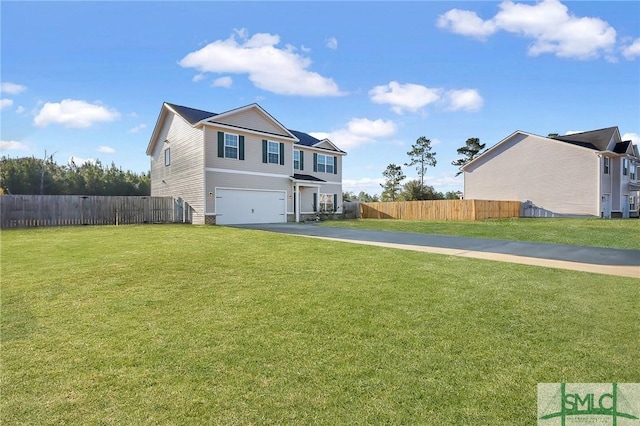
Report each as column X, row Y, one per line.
column 243, row 166
column 591, row 173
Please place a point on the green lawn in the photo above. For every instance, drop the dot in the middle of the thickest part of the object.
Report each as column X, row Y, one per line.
column 580, row 232
column 212, row 325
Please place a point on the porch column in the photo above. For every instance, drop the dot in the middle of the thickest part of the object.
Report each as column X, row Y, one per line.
column 297, row 204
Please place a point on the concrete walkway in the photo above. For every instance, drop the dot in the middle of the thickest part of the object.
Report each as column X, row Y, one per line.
column 609, row 261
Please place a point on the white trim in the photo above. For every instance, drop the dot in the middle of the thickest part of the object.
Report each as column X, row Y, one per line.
column 244, row 172
column 323, row 150
column 254, row 132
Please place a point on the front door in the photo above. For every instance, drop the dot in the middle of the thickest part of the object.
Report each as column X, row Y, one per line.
column 605, row 209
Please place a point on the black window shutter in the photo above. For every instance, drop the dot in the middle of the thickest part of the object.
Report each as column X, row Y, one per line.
column 335, row 202
column 301, row 160
column 241, row 148
column 315, row 201
column 281, row 154
column 315, row 162
column 335, row 165
column 220, row 144
column 264, row 150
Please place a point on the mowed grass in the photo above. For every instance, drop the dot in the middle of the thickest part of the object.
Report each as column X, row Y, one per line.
column 213, row 325
column 591, row 232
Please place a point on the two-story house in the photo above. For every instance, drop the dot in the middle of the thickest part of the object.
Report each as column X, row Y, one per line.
column 591, row 173
column 243, row 166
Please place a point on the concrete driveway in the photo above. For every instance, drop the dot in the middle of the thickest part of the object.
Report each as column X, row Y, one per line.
column 589, row 259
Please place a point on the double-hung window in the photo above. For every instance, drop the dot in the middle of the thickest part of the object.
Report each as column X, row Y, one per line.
column 273, row 152
column 606, row 165
column 325, row 163
column 296, row 160
column 230, row 145
column 632, row 171
column 625, row 166
column 327, row 203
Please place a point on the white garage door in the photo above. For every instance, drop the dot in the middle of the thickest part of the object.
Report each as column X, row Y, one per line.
column 236, row 206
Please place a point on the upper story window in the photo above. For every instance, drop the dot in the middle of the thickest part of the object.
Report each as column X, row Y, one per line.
column 632, row 171
column 325, row 163
column 625, row 166
column 298, row 159
column 230, row 146
column 606, row 165
column 167, row 156
column 273, row 152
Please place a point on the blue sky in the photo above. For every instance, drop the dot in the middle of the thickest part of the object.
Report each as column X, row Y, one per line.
column 87, row 79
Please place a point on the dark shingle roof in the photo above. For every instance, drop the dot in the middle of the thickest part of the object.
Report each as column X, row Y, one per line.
column 192, row 115
column 621, row 147
column 594, row 139
column 298, row 176
column 305, row 139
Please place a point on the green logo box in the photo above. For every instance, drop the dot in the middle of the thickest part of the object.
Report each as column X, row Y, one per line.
column 569, row 404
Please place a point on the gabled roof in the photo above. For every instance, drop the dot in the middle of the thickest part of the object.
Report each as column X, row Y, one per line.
column 191, row 115
column 594, row 139
column 196, row 117
column 621, row 147
column 312, row 142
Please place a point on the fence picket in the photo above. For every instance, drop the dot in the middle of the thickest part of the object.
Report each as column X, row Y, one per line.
column 441, row 210
column 24, row 211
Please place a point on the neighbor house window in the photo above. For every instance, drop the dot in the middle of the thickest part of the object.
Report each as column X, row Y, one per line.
column 325, row 163
column 625, row 166
column 230, row 145
column 632, row 171
column 632, row 203
column 327, row 203
column 296, row 160
column 273, row 152
column 167, row 156
column 606, row 165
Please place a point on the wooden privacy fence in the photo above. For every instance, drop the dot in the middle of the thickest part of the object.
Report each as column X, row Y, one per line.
column 440, row 210
column 26, row 211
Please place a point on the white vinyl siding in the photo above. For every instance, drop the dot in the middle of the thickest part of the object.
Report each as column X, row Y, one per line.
column 251, row 119
column 555, row 176
column 184, row 176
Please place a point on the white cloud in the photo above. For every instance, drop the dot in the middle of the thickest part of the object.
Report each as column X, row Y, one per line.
column 467, row 23
column 464, row 99
column 632, row 50
column 332, row 43
column 106, row 149
column 633, row 137
column 11, row 88
column 5, row 103
column 367, row 184
column 12, row 146
column 198, row 77
column 225, row 82
column 137, row 128
column 80, row 161
column 359, row 131
column 74, row 113
column 548, row 23
column 404, row 97
column 270, row 68
column 20, row 109
column 573, row 132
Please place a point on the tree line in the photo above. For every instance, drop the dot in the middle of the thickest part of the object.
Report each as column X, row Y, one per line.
column 422, row 156
column 35, row 176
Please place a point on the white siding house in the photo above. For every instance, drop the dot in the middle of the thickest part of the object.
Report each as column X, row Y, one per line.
column 243, row 166
column 584, row 174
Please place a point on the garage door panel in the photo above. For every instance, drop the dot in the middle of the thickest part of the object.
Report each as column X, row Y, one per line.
column 236, row 206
